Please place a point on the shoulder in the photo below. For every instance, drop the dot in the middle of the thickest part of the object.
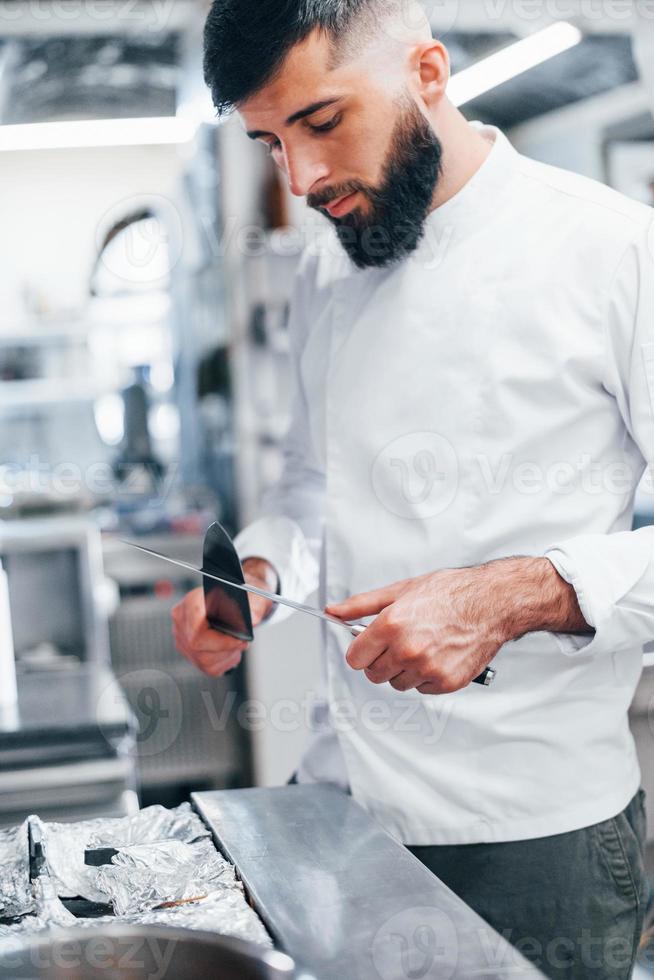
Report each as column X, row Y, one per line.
column 591, row 203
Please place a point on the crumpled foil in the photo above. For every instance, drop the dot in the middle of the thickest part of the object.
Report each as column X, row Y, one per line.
column 164, row 856
column 225, row 911
column 15, row 888
column 173, row 856
column 65, row 843
column 155, row 823
column 48, row 911
column 143, row 877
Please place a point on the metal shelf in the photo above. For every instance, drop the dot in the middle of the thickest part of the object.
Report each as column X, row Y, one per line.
column 28, row 395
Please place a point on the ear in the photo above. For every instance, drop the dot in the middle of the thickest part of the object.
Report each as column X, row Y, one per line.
column 431, row 71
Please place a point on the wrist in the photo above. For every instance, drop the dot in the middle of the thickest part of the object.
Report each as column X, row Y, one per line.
column 534, row 598
column 261, row 569
column 259, row 572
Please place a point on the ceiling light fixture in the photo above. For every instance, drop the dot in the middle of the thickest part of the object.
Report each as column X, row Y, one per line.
column 511, row 61
column 96, row 133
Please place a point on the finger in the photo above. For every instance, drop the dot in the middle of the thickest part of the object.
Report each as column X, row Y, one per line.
column 192, row 649
column 189, row 611
column 366, row 648
column 365, row 603
column 205, row 639
column 259, row 608
column 218, row 655
column 430, row 688
column 210, row 662
column 193, row 602
column 406, row 681
column 383, row 668
column 217, row 669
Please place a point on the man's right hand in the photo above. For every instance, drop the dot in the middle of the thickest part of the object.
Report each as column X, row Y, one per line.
column 216, row 653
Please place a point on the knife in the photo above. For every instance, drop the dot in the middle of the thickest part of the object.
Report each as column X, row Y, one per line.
column 355, row 629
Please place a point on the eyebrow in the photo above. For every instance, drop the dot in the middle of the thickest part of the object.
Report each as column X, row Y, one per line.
column 309, row 110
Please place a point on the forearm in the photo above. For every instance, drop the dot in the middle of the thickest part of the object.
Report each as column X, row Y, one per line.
column 529, row 595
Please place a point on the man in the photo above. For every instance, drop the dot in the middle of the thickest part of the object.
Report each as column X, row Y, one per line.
column 473, row 409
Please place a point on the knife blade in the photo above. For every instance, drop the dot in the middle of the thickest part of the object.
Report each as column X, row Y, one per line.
column 355, row 629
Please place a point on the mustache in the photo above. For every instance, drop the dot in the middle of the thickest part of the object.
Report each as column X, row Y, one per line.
column 322, row 198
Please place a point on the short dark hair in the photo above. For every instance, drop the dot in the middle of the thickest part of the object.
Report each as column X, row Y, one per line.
column 247, row 41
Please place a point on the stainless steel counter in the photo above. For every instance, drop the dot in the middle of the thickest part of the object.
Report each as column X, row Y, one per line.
column 343, row 898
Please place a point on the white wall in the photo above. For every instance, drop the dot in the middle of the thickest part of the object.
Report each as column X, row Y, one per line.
column 572, row 137
column 53, row 205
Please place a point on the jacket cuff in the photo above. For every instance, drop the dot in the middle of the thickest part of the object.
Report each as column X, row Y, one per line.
column 281, row 542
column 602, row 569
column 570, row 643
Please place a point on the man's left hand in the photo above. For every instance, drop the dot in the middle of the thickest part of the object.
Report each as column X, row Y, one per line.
column 437, row 632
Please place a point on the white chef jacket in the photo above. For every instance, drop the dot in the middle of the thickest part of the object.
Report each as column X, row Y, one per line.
column 491, row 395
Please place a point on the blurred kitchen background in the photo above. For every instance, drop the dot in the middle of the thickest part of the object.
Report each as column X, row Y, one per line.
column 146, row 256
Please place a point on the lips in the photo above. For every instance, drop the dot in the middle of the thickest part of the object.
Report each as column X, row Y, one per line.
column 340, row 205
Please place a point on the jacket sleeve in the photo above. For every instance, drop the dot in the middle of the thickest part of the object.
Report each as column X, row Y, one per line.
column 289, row 531
column 613, row 574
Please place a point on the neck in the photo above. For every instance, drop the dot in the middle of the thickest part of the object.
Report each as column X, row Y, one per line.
column 464, row 151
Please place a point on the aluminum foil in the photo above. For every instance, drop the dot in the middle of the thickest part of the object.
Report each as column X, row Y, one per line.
column 15, row 888
column 225, row 912
column 143, row 877
column 48, row 912
column 164, row 856
column 65, row 843
column 155, row 823
column 175, row 857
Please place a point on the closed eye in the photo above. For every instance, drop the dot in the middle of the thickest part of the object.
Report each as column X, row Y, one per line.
column 327, row 126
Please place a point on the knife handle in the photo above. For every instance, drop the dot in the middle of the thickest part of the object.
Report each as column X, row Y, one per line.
column 486, row 677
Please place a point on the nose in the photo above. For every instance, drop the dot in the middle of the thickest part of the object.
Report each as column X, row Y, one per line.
column 303, row 171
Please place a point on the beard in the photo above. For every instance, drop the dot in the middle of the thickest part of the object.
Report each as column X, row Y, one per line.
column 395, row 222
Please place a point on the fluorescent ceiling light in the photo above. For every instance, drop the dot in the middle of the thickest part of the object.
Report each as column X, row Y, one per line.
column 96, row 132
column 511, row 61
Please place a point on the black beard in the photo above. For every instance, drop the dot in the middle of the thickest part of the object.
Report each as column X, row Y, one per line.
column 395, row 224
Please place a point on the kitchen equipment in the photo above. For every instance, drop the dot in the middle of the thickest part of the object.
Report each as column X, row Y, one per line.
column 222, row 549
column 55, row 574
column 135, row 952
column 8, row 690
column 68, row 751
column 67, row 748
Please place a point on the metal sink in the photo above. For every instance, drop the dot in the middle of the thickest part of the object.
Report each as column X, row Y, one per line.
column 140, row 952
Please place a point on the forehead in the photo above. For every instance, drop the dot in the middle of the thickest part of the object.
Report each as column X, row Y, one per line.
column 308, row 74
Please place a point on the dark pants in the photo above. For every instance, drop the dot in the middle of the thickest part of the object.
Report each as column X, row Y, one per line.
column 573, row 903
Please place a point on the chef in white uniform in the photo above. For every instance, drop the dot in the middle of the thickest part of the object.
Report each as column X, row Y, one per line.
column 473, row 361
